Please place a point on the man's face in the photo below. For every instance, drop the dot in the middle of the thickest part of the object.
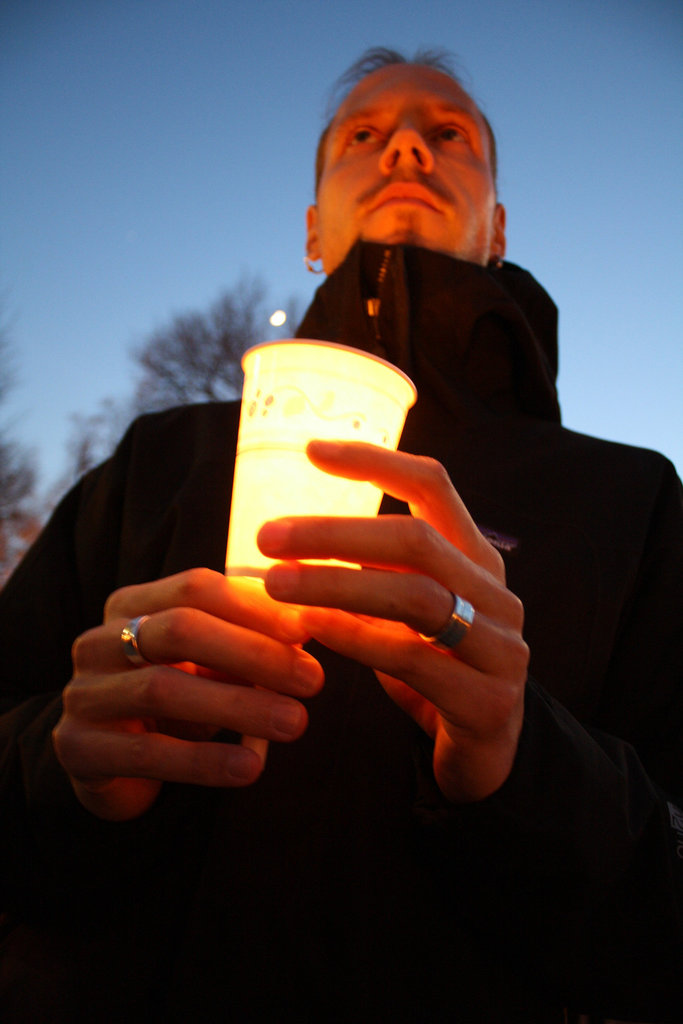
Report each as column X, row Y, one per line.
column 407, row 161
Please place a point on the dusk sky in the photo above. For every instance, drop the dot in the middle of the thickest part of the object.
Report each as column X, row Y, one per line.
column 153, row 151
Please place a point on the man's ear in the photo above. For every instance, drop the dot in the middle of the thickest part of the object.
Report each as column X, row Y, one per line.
column 498, row 240
column 312, row 239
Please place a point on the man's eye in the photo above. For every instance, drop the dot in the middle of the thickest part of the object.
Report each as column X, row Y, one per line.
column 360, row 136
column 449, row 133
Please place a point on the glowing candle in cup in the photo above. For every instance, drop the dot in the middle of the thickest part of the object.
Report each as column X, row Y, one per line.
column 295, row 391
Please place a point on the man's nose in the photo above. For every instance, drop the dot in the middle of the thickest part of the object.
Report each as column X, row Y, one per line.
column 406, row 147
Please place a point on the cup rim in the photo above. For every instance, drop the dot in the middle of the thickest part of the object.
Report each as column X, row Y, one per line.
column 305, row 342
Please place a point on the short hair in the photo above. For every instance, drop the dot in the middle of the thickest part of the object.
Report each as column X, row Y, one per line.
column 374, row 59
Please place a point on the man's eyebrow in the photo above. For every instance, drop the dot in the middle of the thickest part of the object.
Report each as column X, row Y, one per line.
column 460, row 112
column 354, row 116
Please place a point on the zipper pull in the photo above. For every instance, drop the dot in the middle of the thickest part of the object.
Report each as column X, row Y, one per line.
column 373, row 305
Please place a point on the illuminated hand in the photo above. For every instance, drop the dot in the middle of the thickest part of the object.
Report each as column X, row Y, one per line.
column 470, row 700
column 125, row 729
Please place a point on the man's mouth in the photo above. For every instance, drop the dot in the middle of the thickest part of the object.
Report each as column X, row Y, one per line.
column 404, row 192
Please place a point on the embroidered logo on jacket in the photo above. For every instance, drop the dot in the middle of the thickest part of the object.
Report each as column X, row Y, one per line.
column 499, row 540
column 676, row 819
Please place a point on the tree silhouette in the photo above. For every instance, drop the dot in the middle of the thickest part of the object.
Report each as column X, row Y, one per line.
column 195, row 357
column 19, row 521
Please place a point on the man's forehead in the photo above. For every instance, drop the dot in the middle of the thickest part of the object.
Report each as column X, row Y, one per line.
column 399, row 84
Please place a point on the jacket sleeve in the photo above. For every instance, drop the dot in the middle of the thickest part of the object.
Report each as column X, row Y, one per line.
column 49, row 845
column 576, row 863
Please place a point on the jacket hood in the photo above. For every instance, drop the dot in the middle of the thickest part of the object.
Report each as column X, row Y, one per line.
column 478, row 337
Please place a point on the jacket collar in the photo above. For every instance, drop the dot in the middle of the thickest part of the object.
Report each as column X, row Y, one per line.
column 478, row 338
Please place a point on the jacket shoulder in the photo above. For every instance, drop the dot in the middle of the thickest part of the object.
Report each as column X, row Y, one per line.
column 185, row 423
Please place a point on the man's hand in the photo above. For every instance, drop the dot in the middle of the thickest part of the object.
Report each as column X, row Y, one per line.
column 222, row 655
column 469, row 700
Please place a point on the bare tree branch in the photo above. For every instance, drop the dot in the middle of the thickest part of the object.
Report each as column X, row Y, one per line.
column 197, row 356
column 19, row 522
column 194, row 358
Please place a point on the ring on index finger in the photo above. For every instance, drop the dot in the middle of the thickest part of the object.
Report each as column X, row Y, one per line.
column 457, row 627
column 130, row 640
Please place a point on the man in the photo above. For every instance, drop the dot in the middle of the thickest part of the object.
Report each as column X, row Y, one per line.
column 470, row 824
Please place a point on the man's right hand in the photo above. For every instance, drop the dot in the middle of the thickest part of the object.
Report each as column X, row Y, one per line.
column 222, row 655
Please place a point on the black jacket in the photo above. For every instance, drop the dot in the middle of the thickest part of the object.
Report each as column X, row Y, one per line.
column 342, row 887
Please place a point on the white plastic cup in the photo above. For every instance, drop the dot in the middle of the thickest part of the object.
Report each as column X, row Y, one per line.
column 295, row 391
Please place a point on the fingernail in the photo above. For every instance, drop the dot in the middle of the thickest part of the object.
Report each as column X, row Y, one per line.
column 273, row 536
column 281, row 579
column 307, row 671
column 242, row 763
column 286, row 718
column 328, row 448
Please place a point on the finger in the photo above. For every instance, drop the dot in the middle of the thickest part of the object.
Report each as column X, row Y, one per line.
column 163, row 692
column 236, row 600
column 406, row 601
column 180, row 635
column 101, row 755
column 420, row 481
column 419, row 601
column 477, row 689
column 413, row 601
column 391, row 542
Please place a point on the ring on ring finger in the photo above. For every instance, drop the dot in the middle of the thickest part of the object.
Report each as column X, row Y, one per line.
column 457, row 627
column 130, row 640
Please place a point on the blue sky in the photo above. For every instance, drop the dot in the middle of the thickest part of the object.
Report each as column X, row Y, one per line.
column 152, row 152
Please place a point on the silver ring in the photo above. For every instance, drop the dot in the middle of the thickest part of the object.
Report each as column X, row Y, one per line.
column 457, row 627
column 130, row 640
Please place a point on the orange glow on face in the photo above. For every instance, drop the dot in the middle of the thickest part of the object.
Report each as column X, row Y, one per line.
column 407, row 160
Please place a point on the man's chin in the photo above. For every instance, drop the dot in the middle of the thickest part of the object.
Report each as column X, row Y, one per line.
column 401, row 236
column 408, row 236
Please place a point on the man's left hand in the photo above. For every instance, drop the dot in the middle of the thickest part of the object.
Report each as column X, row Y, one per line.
column 470, row 699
